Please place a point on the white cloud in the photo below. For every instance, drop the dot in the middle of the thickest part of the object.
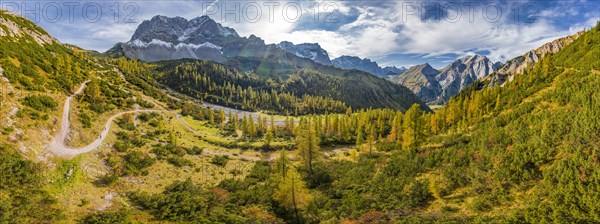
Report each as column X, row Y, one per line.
column 381, row 31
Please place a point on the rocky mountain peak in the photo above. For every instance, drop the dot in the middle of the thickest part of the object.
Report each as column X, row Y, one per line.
column 421, row 80
column 168, row 38
column 312, row 51
column 461, row 73
column 178, row 29
column 425, row 69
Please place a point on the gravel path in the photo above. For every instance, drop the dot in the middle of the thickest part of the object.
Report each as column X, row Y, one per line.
column 58, row 146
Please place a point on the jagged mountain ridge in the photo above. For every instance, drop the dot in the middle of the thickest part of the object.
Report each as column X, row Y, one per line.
column 520, row 64
column 165, row 38
column 462, row 72
column 366, row 65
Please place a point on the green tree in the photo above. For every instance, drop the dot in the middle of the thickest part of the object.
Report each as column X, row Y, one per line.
column 307, row 143
column 292, row 193
column 413, row 128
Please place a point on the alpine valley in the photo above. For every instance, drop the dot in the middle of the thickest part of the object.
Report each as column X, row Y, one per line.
column 190, row 122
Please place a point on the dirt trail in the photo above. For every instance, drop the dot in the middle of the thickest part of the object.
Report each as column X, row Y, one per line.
column 58, row 146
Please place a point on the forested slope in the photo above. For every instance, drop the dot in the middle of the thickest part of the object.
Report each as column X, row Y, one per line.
column 302, row 91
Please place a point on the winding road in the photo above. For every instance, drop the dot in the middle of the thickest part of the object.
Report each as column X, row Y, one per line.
column 58, row 145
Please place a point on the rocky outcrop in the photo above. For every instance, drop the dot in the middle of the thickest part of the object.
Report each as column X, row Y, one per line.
column 14, row 27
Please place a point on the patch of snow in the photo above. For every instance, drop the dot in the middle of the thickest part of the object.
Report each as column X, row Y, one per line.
column 196, row 46
column 141, row 44
column 313, row 55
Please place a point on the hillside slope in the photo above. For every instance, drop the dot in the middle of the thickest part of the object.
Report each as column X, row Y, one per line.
column 532, row 140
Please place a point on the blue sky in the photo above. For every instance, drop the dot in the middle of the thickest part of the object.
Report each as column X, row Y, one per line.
column 400, row 33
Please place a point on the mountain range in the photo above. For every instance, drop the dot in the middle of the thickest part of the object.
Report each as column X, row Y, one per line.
column 437, row 87
column 163, row 39
column 312, row 51
column 366, row 65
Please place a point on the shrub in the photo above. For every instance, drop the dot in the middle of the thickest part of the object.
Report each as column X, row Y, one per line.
column 195, row 151
column 179, row 161
column 136, row 161
column 85, row 119
column 220, row 160
column 40, row 102
column 119, row 217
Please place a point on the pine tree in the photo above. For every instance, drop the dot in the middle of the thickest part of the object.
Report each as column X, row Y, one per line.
column 211, row 116
column 273, row 126
column 413, row 128
column 282, row 164
column 222, row 116
column 371, row 139
column 292, row 192
column 307, row 143
column 498, row 103
column 359, row 135
column 268, row 138
column 236, row 122
column 396, row 132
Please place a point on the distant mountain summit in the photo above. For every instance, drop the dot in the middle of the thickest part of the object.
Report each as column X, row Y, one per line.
column 180, row 30
column 421, row 80
column 165, row 38
column 312, row 51
column 366, row 65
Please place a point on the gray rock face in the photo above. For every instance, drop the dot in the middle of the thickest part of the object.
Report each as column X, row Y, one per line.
column 519, row 65
column 312, row 51
column 421, row 80
column 165, row 38
column 180, row 30
column 462, row 72
column 366, row 65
